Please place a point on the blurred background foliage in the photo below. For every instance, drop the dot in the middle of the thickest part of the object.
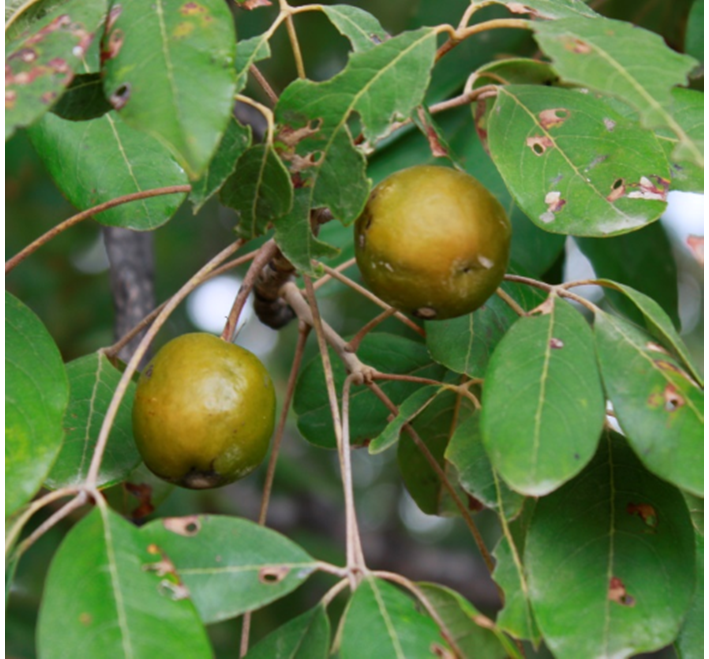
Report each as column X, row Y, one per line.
column 66, row 283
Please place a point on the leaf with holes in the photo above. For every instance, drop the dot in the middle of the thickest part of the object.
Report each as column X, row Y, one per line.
column 617, row 544
column 235, row 141
column 465, row 344
column 381, row 621
column 306, row 636
column 83, row 99
column 469, row 632
column 622, row 60
column 573, row 164
column 159, row 59
column 368, row 416
column 543, row 430
column 658, row 406
column 642, row 259
column 658, row 324
column 95, row 161
column 40, row 62
column 229, row 565
column 36, row 396
column 408, row 410
column 259, row 190
column 690, row 642
column 362, row 29
column 382, row 85
column 100, row 601
column 546, row 8
column 467, row 454
column 92, row 382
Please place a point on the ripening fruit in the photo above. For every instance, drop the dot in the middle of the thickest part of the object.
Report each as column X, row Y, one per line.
column 204, row 412
column 433, row 242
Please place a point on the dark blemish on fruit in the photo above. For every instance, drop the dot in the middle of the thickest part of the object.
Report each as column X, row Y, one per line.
column 427, row 313
column 149, row 372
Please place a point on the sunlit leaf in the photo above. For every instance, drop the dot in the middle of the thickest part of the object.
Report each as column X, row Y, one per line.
column 362, row 29
column 546, row 8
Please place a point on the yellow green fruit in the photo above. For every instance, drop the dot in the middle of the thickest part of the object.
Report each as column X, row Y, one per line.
column 204, row 412
column 433, row 242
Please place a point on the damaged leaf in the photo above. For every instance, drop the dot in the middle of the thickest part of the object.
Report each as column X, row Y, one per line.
column 585, row 552
column 362, row 29
column 571, row 174
column 229, row 565
column 83, row 99
column 40, row 61
column 546, row 8
column 657, row 404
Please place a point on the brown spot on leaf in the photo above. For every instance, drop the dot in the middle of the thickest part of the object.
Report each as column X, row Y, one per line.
column 554, row 204
column 48, row 97
column 120, row 97
column 143, row 492
column 475, row 505
column 273, row 574
column 556, row 344
column 609, row 123
column 10, row 98
column 85, row 619
column 253, row 4
column 553, row 117
column 617, row 190
column 113, row 16
column 539, row 144
column 618, row 594
column 112, row 45
column 673, row 399
column 519, row 8
column 187, row 526
column 645, row 511
column 440, row 652
column 175, row 591
column 183, row 30
column 649, row 190
column 483, row 621
column 192, row 8
column 59, row 65
column 656, row 347
column 696, row 246
column 577, row 46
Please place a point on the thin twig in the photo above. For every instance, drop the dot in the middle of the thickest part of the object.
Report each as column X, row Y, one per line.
column 460, row 35
column 552, row 288
column 295, row 46
column 132, row 365
column 353, row 343
column 84, row 215
column 272, row 96
column 334, row 592
column 263, row 256
column 511, row 302
column 327, row 278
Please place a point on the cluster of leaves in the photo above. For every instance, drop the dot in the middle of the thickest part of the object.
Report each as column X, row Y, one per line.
column 124, row 97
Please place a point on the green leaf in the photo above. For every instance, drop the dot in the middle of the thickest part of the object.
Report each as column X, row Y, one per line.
column 230, row 565
column 690, row 642
column 658, row 324
column 575, row 165
column 83, row 99
column 694, row 37
column 92, row 382
column 695, row 506
column 467, row 454
column 620, row 59
column 465, row 344
column 546, row 8
column 248, row 52
column 516, row 616
column 100, row 601
column 409, row 409
column 543, row 430
column 473, row 635
column 660, row 409
column 382, row 85
column 642, row 259
column 259, row 190
column 235, row 141
column 615, row 543
column 515, row 70
column 41, row 61
column 169, row 71
column 368, row 416
column 36, row 396
column 381, row 621
column 95, row 161
column 305, row 637
column 362, row 29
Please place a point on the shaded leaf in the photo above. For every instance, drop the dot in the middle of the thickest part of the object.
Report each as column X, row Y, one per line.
column 95, row 161
column 230, row 565
column 473, row 635
column 83, row 99
column 305, row 637
column 659, row 408
column 690, row 642
column 248, row 52
column 381, row 621
column 368, row 416
column 40, row 62
column 92, row 382
column 575, row 165
column 259, row 190
column 623, row 60
column 467, row 454
column 547, row 8
column 516, row 70
column 694, row 37
column 695, row 505
column 642, row 259
column 362, row 29
column 235, row 141
column 36, row 396
column 409, row 409
column 100, row 601
column 159, row 59
column 617, row 544
column 541, row 432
